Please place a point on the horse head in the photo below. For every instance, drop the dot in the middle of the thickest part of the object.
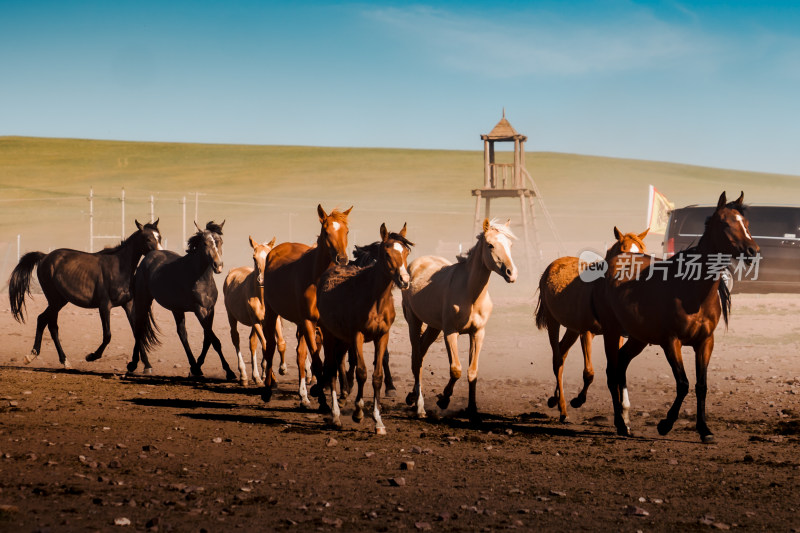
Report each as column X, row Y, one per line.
column 333, row 235
column 209, row 243
column 729, row 230
column 627, row 243
column 149, row 236
column 260, row 252
column 497, row 251
column 394, row 254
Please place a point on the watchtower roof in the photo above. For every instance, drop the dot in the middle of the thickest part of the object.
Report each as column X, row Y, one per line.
column 503, row 131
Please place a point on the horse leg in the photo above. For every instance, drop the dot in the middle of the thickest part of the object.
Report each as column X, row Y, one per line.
column 391, row 390
column 475, row 343
column 302, row 354
column 377, row 380
column 672, row 349
column 41, row 323
column 629, row 350
column 138, row 314
column 611, row 344
column 702, row 354
column 270, row 320
column 414, row 335
column 361, row 376
column 52, row 325
column 347, row 373
column 256, row 336
column 234, row 325
column 105, row 321
column 588, row 369
column 281, row 346
column 180, row 324
column 560, row 350
column 208, row 332
column 451, row 343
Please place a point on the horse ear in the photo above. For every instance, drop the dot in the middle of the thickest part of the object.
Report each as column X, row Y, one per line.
column 403, row 231
column 722, row 201
column 253, row 243
column 508, row 223
column 347, row 213
column 198, row 227
column 271, row 243
column 740, row 199
column 617, row 233
column 221, row 224
column 138, row 224
column 643, row 234
column 486, row 225
column 156, row 222
column 321, row 213
column 384, row 232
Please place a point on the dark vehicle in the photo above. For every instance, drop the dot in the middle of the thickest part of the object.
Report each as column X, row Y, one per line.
column 776, row 229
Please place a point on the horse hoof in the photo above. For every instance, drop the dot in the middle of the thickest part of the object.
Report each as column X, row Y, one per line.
column 380, row 430
column 324, row 409
column 552, row 402
column 258, row 382
column 421, row 413
column 305, row 404
column 92, row 357
column 564, row 419
column 243, row 382
column 336, row 423
column 443, row 401
column 358, row 416
column 390, row 393
column 475, row 419
column 708, row 439
column 624, row 431
column 315, row 390
column 67, row 364
column 30, row 357
column 196, row 371
column 132, row 368
column 282, row 370
column 148, row 370
column 411, row 398
column 266, row 394
column 577, row 402
column 230, row 376
column 664, row 427
column 274, row 384
column 342, row 402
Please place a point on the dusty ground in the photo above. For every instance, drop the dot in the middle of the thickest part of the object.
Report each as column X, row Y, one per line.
column 83, row 450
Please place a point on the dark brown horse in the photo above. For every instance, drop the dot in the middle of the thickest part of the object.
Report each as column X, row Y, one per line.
column 356, row 306
column 671, row 304
column 565, row 299
column 290, row 291
column 101, row 280
column 183, row 284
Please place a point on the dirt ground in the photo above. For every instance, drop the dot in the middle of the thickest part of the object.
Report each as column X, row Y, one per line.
column 93, row 450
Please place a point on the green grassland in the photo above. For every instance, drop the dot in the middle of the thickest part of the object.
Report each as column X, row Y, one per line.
column 274, row 190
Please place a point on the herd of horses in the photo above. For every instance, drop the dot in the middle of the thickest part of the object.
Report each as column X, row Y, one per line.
column 337, row 305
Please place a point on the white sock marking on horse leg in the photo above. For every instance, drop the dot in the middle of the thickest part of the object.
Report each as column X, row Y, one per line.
column 254, row 361
column 242, row 368
column 380, row 429
column 335, row 408
column 626, row 405
column 303, row 394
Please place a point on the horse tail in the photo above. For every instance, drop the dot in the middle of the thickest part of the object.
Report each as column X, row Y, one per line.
column 725, row 300
column 542, row 313
column 147, row 331
column 20, row 283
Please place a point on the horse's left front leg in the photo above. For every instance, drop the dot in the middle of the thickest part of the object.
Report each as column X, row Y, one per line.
column 377, row 380
column 451, row 343
column 361, row 376
column 105, row 320
column 629, row 350
column 475, row 343
column 391, row 390
column 672, row 349
column 702, row 354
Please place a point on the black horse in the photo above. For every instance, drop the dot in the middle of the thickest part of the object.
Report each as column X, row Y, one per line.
column 181, row 284
column 100, row 280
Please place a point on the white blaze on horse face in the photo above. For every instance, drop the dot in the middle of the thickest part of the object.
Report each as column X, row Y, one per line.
column 634, row 249
column 399, row 247
column 158, row 240
column 740, row 218
column 262, row 255
column 336, row 226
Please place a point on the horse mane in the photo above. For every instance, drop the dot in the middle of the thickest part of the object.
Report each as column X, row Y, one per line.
column 197, row 240
column 493, row 224
column 368, row 254
column 341, row 274
column 108, row 250
column 338, row 216
column 213, row 227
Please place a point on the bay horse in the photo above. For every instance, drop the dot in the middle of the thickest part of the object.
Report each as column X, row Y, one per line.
column 454, row 299
column 180, row 283
column 244, row 302
column 565, row 299
column 290, row 291
column 100, row 280
column 671, row 303
column 356, row 306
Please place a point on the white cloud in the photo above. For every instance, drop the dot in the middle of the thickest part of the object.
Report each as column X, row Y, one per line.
column 543, row 43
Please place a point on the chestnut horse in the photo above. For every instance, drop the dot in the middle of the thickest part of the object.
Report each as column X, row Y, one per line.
column 566, row 300
column 181, row 284
column 454, row 299
column 101, row 280
column 244, row 301
column 671, row 304
column 290, row 291
column 356, row 306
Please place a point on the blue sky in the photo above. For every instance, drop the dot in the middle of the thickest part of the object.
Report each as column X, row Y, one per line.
column 709, row 83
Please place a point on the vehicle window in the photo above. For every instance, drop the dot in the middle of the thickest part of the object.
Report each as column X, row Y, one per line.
column 774, row 222
column 691, row 222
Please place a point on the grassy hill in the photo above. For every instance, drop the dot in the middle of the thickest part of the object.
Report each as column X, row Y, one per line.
column 274, row 190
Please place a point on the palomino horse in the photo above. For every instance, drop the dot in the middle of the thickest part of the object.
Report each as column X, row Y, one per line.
column 454, row 298
column 671, row 303
column 290, row 291
column 244, row 301
column 566, row 300
column 181, row 284
column 100, row 280
column 356, row 306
